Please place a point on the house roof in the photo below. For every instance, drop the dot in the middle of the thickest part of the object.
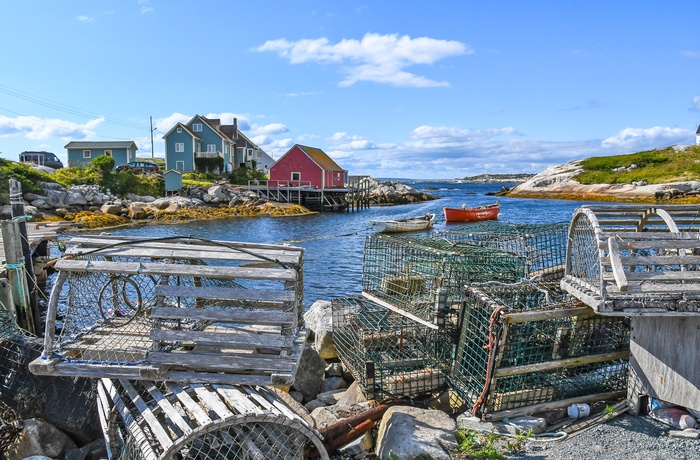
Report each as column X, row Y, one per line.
column 100, row 145
column 180, row 125
column 320, row 157
column 698, row 131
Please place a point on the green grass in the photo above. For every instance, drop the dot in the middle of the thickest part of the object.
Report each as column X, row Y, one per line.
column 473, row 444
column 653, row 167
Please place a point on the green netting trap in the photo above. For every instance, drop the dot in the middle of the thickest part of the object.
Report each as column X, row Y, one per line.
column 423, row 277
column 390, row 355
column 524, row 345
column 542, row 245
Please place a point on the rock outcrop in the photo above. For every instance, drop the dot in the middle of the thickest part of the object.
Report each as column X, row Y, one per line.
column 558, row 182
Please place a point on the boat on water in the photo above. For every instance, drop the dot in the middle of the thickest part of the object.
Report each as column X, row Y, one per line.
column 409, row 224
column 465, row 214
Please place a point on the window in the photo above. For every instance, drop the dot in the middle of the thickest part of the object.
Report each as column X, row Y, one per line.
column 259, row 155
column 179, row 147
column 250, row 154
column 86, row 154
column 179, row 130
column 180, row 165
column 211, row 148
column 108, row 153
column 197, row 127
column 296, row 176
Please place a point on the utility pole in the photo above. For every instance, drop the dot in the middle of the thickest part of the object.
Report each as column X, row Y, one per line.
column 153, row 154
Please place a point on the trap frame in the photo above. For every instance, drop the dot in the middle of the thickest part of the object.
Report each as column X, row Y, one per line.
column 390, row 355
column 542, row 245
column 422, row 277
column 175, row 308
column 528, row 347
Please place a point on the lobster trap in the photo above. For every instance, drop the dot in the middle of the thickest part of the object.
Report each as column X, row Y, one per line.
column 174, row 309
column 422, row 277
column 145, row 420
column 529, row 347
column 624, row 260
column 390, row 355
column 542, row 245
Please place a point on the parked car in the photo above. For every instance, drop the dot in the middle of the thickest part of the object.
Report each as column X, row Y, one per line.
column 139, row 167
column 41, row 158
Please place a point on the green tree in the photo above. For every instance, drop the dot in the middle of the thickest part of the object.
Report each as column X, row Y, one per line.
column 103, row 163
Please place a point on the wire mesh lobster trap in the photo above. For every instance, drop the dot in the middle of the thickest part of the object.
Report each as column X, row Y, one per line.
column 624, row 260
column 423, row 277
column 527, row 347
column 175, row 308
column 390, row 355
column 145, row 420
column 542, row 245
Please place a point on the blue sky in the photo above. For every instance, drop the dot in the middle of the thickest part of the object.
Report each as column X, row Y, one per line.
column 411, row 89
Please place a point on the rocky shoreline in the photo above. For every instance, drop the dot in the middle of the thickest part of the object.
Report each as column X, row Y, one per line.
column 89, row 207
column 557, row 182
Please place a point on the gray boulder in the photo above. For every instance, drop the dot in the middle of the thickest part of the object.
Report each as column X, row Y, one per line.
column 411, row 433
column 310, row 375
column 39, row 438
column 319, row 320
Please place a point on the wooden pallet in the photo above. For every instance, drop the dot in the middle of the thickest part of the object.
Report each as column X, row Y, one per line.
column 192, row 326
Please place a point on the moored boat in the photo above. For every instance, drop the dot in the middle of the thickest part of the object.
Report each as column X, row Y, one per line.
column 465, row 214
column 409, row 224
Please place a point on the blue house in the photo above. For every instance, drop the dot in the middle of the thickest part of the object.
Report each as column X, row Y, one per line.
column 203, row 137
column 81, row 154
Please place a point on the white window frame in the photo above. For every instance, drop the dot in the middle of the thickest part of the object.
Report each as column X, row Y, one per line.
column 259, row 155
column 197, row 127
column 296, row 176
column 211, row 148
column 108, row 153
column 179, row 147
column 179, row 130
column 87, row 153
column 180, row 165
column 250, row 154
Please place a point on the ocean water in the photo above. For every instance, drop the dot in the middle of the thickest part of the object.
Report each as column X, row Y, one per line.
column 334, row 241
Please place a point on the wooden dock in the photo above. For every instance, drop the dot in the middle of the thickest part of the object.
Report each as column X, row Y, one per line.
column 351, row 198
column 37, row 234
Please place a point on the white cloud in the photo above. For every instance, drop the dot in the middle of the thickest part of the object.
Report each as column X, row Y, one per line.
column 637, row 139
column 696, row 103
column 83, row 18
column 690, row 53
column 342, row 141
column 41, row 129
column 376, row 58
column 145, row 6
column 166, row 124
column 269, row 129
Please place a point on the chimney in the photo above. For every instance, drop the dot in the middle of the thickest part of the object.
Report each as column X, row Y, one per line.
column 235, row 129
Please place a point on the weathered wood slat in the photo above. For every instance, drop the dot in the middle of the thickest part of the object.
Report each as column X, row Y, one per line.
column 227, row 316
column 237, row 400
column 616, row 264
column 192, row 407
column 658, row 276
column 201, row 292
column 561, row 363
column 224, row 362
column 204, row 271
column 170, row 412
column 184, row 242
column 233, row 339
column 211, row 401
column 543, row 315
column 145, row 411
column 656, row 288
column 655, row 260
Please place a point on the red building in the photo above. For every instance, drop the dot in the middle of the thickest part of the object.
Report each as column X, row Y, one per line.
column 303, row 165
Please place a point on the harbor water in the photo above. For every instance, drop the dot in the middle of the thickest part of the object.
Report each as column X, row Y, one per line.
column 334, row 241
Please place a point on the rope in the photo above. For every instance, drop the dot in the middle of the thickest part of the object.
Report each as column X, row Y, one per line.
column 554, row 435
column 22, row 287
column 489, row 365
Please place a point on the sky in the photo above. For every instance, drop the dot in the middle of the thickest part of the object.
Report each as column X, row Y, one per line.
column 409, row 89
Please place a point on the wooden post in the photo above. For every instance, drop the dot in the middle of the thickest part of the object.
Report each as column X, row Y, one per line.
column 18, row 213
column 7, row 308
column 14, row 259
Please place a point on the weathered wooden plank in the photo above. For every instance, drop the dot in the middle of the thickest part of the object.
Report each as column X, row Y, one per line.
column 206, row 292
column 237, row 400
column 211, row 401
column 228, row 316
column 543, row 315
column 659, row 244
column 192, row 407
column 225, row 362
column 677, row 275
column 560, row 363
column 649, row 287
column 217, row 377
column 655, row 260
column 233, row 339
column 201, row 244
column 617, row 269
column 145, row 411
column 203, row 271
column 170, row 412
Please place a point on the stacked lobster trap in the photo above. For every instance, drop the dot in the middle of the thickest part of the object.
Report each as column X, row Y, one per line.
column 146, row 316
column 528, row 347
column 542, row 245
column 398, row 339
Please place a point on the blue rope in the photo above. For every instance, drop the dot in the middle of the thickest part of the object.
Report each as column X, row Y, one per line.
column 24, row 217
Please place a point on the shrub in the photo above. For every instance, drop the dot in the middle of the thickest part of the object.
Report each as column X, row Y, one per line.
column 104, row 164
column 26, row 176
column 241, row 176
column 78, row 176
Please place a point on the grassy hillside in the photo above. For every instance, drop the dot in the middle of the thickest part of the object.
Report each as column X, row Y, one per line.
column 653, row 166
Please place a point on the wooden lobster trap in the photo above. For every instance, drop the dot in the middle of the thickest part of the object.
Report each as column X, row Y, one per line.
column 632, row 259
column 145, row 420
column 175, row 309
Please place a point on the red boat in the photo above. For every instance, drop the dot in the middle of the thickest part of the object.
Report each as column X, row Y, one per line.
column 465, row 214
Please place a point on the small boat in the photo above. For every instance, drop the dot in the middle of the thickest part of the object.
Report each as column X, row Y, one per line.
column 409, row 224
column 465, row 214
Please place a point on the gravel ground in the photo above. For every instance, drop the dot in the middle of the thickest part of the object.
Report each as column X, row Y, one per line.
column 626, row 437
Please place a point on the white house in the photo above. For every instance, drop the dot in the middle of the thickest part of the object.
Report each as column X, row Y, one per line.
column 697, row 136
